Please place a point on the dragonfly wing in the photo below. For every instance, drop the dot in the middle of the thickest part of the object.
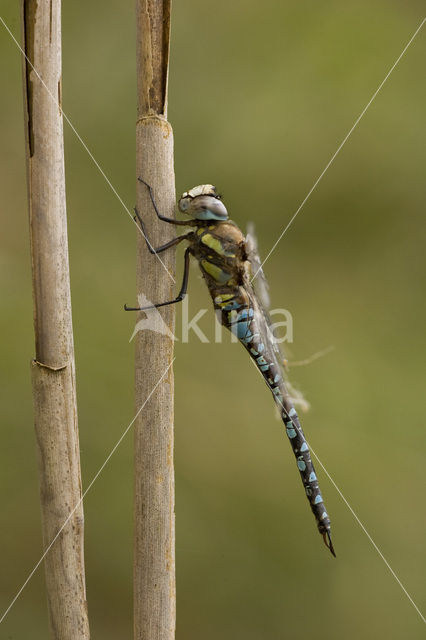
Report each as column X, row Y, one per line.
column 259, row 287
column 259, row 281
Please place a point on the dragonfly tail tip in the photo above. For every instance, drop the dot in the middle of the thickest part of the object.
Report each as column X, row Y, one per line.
column 328, row 543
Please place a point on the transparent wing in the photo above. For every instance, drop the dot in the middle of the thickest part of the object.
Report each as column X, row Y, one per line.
column 260, row 287
column 262, row 301
column 260, row 284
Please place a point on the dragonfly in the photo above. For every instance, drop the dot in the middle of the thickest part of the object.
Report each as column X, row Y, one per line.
column 229, row 263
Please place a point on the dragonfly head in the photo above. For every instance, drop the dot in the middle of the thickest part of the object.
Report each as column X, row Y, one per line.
column 203, row 203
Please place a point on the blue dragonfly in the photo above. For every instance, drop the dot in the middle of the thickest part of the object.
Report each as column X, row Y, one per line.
column 229, row 262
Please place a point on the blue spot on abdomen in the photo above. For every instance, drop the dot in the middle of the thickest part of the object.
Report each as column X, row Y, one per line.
column 241, row 329
column 301, row 464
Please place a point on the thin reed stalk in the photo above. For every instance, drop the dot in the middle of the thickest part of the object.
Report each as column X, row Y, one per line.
column 154, row 535
column 53, row 371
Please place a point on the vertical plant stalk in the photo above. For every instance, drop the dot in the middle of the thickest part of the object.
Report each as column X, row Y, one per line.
column 154, row 535
column 53, row 371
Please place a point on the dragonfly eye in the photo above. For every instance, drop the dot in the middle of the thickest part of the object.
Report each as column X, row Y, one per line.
column 184, row 202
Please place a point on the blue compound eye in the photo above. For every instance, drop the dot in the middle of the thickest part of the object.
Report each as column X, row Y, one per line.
column 184, row 203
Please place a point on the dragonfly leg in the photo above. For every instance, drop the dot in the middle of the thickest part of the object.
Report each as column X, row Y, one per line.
column 181, row 294
column 182, row 223
column 163, row 247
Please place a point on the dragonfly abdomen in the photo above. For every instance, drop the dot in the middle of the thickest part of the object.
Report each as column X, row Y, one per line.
column 239, row 315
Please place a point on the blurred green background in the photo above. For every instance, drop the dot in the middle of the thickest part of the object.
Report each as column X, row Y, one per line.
column 260, row 97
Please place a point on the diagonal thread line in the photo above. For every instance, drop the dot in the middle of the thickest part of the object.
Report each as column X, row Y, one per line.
column 312, row 358
column 86, row 148
column 350, row 509
column 367, row 534
column 90, row 485
column 341, row 144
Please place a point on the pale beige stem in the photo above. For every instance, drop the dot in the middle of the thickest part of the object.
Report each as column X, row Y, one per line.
column 154, row 540
column 53, row 374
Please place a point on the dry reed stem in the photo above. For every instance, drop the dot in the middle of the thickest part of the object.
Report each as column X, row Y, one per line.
column 154, row 537
column 53, row 372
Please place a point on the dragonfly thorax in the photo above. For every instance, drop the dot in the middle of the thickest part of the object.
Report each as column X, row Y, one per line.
column 203, row 203
column 219, row 249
